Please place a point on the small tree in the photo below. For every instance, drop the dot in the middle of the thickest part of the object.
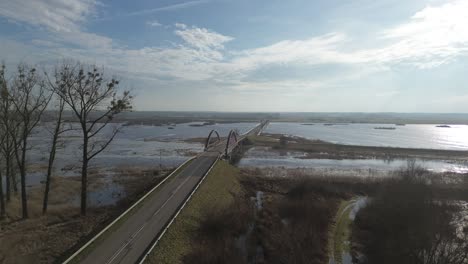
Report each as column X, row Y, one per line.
column 95, row 102
column 29, row 99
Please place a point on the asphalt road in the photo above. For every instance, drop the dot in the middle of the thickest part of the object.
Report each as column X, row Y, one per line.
column 134, row 235
column 129, row 241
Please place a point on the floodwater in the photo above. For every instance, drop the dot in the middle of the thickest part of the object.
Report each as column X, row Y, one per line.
column 454, row 137
column 140, row 146
column 265, row 157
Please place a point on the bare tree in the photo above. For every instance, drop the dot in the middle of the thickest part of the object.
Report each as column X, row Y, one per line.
column 29, row 99
column 57, row 131
column 7, row 147
column 94, row 101
column 2, row 200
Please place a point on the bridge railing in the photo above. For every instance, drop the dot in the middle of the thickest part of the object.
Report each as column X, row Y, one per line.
column 82, row 249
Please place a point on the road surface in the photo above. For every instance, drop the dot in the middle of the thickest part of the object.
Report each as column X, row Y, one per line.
column 129, row 240
column 135, row 234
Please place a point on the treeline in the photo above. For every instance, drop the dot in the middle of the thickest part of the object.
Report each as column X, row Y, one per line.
column 27, row 96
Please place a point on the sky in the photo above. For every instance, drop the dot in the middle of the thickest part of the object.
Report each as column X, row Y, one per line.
column 256, row 55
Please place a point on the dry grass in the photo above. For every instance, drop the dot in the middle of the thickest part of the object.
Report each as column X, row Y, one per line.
column 48, row 238
column 61, row 193
column 297, row 213
column 217, row 192
column 42, row 239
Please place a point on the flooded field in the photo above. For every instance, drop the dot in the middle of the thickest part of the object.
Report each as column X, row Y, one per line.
column 148, row 147
column 265, row 157
column 137, row 146
column 452, row 137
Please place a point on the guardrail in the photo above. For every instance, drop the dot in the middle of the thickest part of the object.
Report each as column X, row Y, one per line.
column 255, row 127
column 79, row 251
column 150, row 249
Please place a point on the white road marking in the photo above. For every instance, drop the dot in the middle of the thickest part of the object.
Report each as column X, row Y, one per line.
column 134, row 235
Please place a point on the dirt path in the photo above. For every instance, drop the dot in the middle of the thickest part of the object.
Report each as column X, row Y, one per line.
column 340, row 231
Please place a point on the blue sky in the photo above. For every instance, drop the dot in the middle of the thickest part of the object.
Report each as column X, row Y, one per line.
column 256, row 55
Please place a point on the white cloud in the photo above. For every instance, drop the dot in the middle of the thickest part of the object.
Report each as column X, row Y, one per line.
column 86, row 40
column 167, row 8
column 45, row 43
column 432, row 37
column 56, row 15
column 180, row 25
column 284, row 87
column 154, row 23
column 316, row 50
column 63, row 19
column 201, row 38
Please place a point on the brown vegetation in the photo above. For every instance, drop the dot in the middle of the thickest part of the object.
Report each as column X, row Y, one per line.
column 217, row 234
column 291, row 225
column 49, row 238
column 318, row 149
column 408, row 222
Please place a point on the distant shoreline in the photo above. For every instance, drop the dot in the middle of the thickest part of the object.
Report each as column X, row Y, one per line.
column 173, row 117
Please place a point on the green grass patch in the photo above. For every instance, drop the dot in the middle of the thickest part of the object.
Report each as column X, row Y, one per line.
column 217, row 191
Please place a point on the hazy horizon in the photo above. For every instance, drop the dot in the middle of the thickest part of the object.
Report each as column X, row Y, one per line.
column 304, row 112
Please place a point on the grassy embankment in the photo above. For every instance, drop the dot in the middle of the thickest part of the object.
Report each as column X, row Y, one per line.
column 217, row 191
column 325, row 150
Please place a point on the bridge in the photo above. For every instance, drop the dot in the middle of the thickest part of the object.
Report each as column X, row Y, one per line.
column 130, row 237
column 227, row 145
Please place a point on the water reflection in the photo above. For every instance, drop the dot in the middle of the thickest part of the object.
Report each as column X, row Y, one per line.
column 408, row 136
column 263, row 157
column 140, row 146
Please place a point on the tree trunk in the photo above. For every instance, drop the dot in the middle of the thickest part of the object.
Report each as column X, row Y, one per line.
column 84, row 175
column 7, row 180
column 14, row 181
column 48, row 176
column 2, row 201
column 24, row 197
column 49, row 168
